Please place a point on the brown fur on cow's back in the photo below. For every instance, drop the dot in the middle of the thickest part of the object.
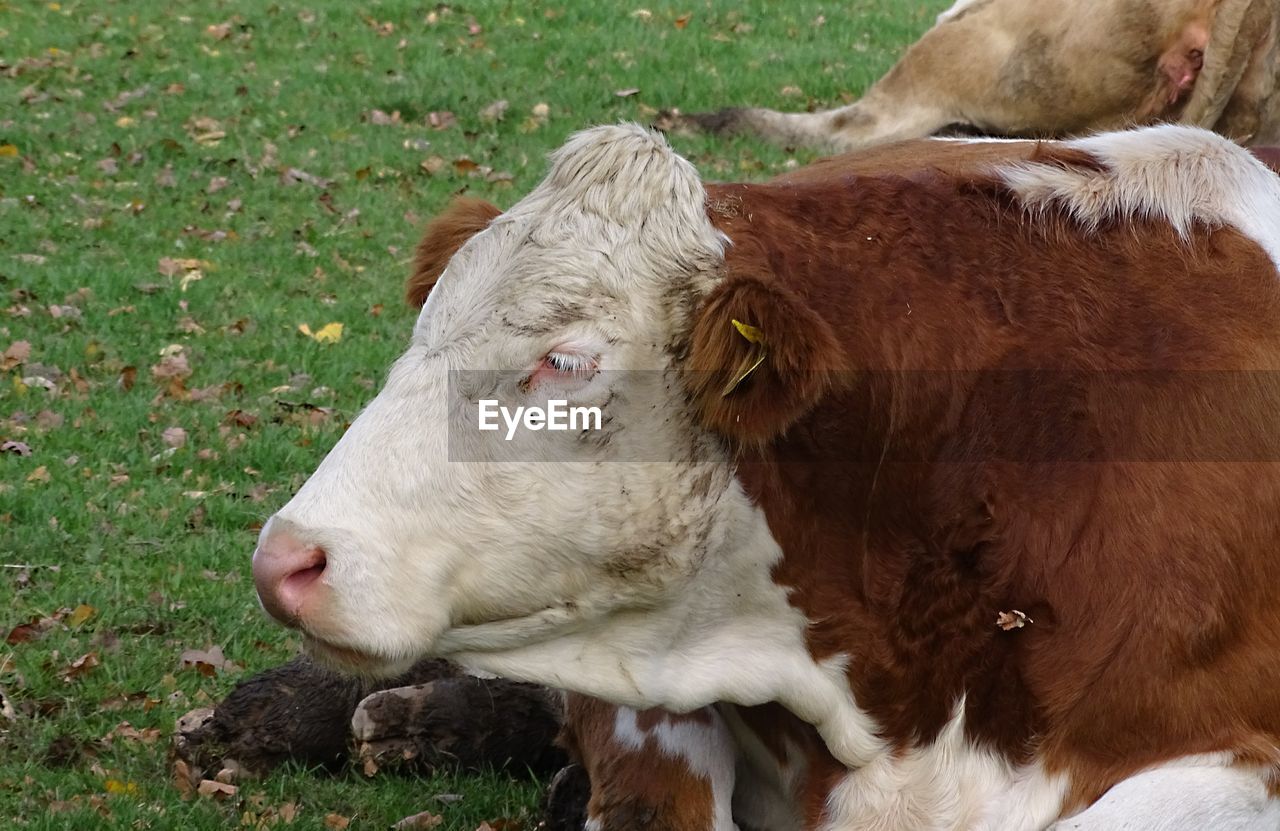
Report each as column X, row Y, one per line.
column 1125, row 497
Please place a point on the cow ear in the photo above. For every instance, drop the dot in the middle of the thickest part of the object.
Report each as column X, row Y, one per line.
column 463, row 219
column 760, row 358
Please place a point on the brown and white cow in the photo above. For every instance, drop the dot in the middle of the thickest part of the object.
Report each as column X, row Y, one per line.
column 1055, row 68
column 853, row 419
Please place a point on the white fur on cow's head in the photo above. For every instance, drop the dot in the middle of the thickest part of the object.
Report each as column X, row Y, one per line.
column 626, row 563
column 440, row 537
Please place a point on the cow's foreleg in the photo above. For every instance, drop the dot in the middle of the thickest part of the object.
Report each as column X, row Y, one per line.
column 652, row 769
column 1181, row 796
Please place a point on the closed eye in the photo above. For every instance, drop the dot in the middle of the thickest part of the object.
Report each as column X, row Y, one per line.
column 563, row 369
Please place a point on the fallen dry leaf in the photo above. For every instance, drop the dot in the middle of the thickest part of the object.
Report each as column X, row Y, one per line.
column 81, row 614
column 419, row 822
column 16, row 355
column 329, row 333
column 495, row 111
column 208, row 661
column 117, row 787
column 441, row 120
column 80, row 666
column 216, row 790
column 19, row 447
column 173, row 266
column 174, row 436
column 383, row 119
column 294, row 174
column 183, row 778
column 628, row 92
column 336, row 822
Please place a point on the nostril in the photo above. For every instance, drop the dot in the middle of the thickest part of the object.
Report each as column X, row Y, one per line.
column 296, row 583
column 287, row 573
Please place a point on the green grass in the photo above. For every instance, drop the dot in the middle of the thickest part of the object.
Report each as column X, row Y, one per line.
column 114, row 109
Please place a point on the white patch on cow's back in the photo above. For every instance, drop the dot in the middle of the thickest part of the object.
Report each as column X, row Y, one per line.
column 1207, row 791
column 1181, row 175
column 948, row 785
column 707, row 749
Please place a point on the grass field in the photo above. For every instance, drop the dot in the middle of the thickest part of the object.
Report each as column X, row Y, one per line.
column 182, row 186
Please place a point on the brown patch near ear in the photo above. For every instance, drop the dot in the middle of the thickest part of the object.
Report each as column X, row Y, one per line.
column 464, row 218
column 802, row 362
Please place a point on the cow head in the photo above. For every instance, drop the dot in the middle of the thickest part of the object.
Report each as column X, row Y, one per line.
column 523, row 552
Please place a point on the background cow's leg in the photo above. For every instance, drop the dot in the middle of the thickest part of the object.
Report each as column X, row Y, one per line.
column 1180, row 797
column 1006, row 68
column 652, row 769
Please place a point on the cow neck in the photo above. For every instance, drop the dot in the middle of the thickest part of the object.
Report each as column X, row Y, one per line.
column 879, row 553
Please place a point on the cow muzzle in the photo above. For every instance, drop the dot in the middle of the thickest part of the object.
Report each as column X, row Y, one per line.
column 288, row 574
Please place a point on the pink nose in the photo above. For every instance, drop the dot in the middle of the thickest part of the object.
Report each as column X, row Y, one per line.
column 286, row 572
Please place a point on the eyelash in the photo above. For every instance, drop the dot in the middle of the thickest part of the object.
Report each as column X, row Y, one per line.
column 570, row 364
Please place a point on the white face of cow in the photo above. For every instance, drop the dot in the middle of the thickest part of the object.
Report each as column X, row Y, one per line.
column 421, row 534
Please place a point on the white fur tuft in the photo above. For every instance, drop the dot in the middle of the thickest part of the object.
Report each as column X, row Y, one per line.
column 1181, row 175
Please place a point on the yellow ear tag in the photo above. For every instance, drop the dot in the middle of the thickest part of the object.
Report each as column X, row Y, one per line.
column 753, row 360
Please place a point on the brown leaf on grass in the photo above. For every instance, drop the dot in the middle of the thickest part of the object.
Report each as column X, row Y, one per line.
column 627, row 93
column 208, row 661
column 124, row 731
column 174, row 437
column 240, row 418
column 441, row 119
column 81, row 615
column 79, row 667
column 16, row 355
column 40, row 475
column 419, row 822
column 336, row 822
column 432, row 165
column 173, row 266
column 380, row 118
column 184, row 779
column 24, row 632
column 683, row 20
column 20, row 448
column 462, row 164
column 218, row 31
column 205, row 130
column 292, row 175
column 128, row 377
column 172, row 372
column 495, row 111
column 215, row 790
